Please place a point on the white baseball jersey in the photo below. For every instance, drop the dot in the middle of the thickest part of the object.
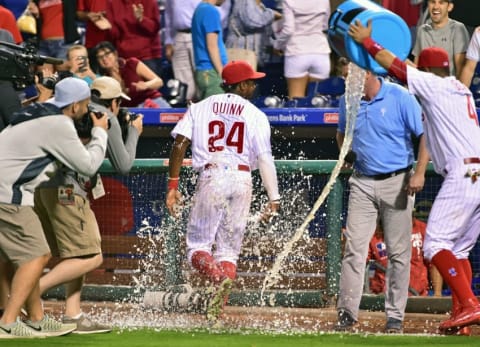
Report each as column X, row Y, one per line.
column 473, row 51
column 450, row 118
column 225, row 128
column 452, row 135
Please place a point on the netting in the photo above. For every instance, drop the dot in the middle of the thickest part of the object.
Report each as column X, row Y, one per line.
column 137, row 232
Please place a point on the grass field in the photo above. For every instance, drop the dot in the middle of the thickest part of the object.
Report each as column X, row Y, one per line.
column 150, row 337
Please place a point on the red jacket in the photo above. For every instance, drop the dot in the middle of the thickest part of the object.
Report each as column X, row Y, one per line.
column 134, row 39
column 418, row 269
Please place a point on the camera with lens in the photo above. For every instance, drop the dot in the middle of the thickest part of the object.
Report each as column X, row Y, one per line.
column 18, row 64
column 85, row 124
column 125, row 118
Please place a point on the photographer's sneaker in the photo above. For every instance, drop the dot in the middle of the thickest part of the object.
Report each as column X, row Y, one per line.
column 49, row 327
column 18, row 330
column 215, row 306
column 86, row 326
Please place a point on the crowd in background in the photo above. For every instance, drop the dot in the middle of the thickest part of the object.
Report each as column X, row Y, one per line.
column 154, row 41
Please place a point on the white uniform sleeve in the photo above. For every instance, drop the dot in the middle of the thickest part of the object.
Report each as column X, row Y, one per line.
column 269, row 175
column 185, row 125
column 473, row 51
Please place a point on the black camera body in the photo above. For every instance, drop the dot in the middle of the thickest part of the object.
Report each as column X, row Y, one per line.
column 85, row 124
column 125, row 118
column 17, row 64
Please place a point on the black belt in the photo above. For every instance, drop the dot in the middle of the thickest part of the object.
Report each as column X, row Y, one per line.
column 384, row 176
column 185, row 31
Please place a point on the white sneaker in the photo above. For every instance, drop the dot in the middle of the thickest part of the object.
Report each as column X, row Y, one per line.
column 50, row 327
column 18, row 330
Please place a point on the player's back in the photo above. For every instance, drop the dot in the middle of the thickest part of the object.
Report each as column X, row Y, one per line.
column 226, row 129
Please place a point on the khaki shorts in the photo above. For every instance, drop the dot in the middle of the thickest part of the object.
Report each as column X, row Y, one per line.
column 21, row 235
column 71, row 230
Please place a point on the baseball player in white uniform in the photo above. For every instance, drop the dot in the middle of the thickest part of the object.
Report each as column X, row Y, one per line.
column 472, row 58
column 230, row 137
column 452, row 135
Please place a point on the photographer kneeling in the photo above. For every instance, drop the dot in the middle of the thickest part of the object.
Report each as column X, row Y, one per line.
column 65, row 211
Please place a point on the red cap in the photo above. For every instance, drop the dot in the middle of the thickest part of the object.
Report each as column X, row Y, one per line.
column 433, row 57
column 238, row 71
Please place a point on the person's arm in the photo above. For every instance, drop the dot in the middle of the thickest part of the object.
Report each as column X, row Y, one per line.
column 384, row 57
column 174, row 166
column 268, row 173
column 468, row 71
column 459, row 62
column 340, row 138
column 69, row 150
column 214, row 51
column 120, row 154
column 417, row 180
column 148, row 18
column 150, row 78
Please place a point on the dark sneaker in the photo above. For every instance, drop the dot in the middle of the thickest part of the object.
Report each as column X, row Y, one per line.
column 86, row 326
column 50, row 327
column 215, row 306
column 18, row 330
column 346, row 322
column 394, row 326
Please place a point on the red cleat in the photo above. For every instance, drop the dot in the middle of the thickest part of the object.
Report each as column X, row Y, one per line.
column 463, row 331
column 467, row 316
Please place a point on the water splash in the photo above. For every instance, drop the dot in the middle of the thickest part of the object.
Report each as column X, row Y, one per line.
column 353, row 94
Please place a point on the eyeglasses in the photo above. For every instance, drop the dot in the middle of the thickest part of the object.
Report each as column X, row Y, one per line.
column 104, row 55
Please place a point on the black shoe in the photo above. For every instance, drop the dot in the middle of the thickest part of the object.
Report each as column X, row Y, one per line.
column 345, row 321
column 394, row 326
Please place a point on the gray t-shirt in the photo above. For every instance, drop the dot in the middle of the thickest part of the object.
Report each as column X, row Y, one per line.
column 453, row 38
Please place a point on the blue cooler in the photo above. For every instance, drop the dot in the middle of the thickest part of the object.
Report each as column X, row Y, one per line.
column 388, row 29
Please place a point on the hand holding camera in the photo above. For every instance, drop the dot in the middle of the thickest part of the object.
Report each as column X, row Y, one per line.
column 99, row 118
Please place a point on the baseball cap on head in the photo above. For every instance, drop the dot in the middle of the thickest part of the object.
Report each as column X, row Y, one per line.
column 239, row 71
column 433, row 57
column 68, row 91
column 109, row 88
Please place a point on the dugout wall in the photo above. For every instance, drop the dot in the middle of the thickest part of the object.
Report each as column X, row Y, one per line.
column 144, row 248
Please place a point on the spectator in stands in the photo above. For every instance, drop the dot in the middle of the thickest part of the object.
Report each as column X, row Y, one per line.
column 248, row 24
column 178, row 42
column 304, row 44
column 442, row 31
column 67, row 219
column 22, row 242
column 208, row 47
column 378, row 252
column 79, row 63
column 97, row 29
column 55, row 39
column 135, row 31
column 472, row 58
column 408, row 10
column 8, row 22
column 16, row 6
column 137, row 80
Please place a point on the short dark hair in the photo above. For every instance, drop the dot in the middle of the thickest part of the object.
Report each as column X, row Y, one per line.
column 104, row 45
